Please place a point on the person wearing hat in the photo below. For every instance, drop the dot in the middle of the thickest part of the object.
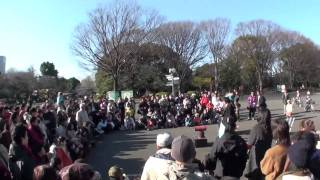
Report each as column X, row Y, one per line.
column 184, row 153
column 306, row 143
column 299, row 155
column 115, row 173
column 157, row 165
column 228, row 156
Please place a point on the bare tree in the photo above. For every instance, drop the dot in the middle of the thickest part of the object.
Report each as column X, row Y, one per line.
column 286, row 63
column 101, row 41
column 257, row 41
column 216, row 33
column 87, row 86
column 185, row 39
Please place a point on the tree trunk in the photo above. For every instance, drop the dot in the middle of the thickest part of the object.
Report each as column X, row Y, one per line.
column 216, row 79
column 260, row 81
column 115, row 83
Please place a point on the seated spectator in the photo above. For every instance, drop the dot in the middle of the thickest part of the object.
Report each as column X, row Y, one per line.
column 21, row 159
column 79, row 171
column 184, row 152
column 273, row 162
column 306, row 125
column 157, row 165
column 196, row 119
column 170, row 120
column 5, row 136
column 308, row 139
column 4, row 161
column 102, row 126
column 62, row 152
column 55, row 163
column 188, row 121
column 228, row 155
column 116, row 173
column 129, row 123
column 299, row 155
column 36, row 138
column 45, row 172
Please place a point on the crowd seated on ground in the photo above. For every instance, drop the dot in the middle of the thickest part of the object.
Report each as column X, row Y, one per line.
column 50, row 140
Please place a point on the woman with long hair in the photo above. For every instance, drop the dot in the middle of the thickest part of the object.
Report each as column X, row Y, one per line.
column 259, row 142
column 272, row 165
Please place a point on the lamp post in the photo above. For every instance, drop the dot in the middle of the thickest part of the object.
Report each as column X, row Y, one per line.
column 172, row 71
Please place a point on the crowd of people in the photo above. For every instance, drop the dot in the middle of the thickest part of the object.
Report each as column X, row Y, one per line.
column 270, row 153
column 50, row 140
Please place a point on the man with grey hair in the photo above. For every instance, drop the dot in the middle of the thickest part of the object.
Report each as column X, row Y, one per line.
column 157, row 165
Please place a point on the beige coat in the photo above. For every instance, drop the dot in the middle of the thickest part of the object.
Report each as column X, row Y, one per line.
column 274, row 160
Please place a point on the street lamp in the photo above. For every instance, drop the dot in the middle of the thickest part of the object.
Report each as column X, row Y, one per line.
column 172, row 71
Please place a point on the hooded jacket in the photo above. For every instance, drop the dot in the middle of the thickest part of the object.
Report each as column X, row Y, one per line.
column 228, row 156
column 157, row 166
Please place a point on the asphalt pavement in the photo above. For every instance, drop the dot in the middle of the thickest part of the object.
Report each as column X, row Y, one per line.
column 131, row 149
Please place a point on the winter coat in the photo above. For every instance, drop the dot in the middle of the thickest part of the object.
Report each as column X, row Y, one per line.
column 273, row 162
column 157, row 166
column 260, row 140
column 228, row 156
column 186, row 172
column 252, row 101
column 21, row 162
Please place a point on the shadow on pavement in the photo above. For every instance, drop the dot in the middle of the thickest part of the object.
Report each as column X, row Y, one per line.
column 113, row 148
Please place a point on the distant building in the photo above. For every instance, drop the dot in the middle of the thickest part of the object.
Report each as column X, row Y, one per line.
column 2, row 64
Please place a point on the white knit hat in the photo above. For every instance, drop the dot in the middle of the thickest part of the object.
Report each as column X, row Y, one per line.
column 164, row 140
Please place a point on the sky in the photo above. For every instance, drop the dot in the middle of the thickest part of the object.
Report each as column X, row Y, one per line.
column 34, row 31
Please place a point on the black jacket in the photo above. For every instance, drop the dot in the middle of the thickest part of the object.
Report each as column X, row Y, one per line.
column 228, row 156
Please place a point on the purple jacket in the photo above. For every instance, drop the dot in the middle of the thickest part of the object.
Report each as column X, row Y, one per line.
column 252, row 101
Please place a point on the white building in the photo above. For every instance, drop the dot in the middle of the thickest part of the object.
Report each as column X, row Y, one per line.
column 2, row 64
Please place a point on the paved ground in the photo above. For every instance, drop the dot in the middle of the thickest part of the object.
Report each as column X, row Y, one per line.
column 130, row 150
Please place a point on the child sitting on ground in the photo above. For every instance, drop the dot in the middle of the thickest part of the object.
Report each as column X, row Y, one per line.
column 129, row 123
column 188, row 121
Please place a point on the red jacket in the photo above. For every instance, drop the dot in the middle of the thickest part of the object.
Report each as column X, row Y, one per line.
column 204, row 101
column 36, row 138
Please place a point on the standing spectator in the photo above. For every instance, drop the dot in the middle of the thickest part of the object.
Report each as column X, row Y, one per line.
column 260, row 99
column 285, row 98
column 158, row 164
column 184, row 152
column 229, row 115
column 237, row 105
column 289, row 112
column 252, row 102
column 21, row 159
column 60, row 99
column 82, row 116
column 273, row 162
column 228, row 155
column 259, row 142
